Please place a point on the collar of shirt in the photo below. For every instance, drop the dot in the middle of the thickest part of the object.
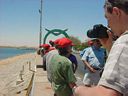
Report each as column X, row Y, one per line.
column 94, row 48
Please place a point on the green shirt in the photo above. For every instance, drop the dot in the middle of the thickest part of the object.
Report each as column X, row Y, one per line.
column 61, row 75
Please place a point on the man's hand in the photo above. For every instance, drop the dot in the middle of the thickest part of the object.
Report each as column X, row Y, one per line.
column 107, row 42
column 89, row 66
column 92, row 70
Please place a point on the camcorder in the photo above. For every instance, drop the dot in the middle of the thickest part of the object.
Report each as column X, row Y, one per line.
column 98, row 31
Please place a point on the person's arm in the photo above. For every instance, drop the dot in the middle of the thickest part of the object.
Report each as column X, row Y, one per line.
column 85, row 58
column 89, row 66
column 95, row 91
column 75, row 64
column 68, row 74
column 75, row 67
column 73, row 86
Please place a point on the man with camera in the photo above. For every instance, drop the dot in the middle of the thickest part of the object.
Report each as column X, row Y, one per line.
column 94, row 60
column 114, row 80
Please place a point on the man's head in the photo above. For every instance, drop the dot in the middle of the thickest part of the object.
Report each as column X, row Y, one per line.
column 90, row 43
column 51, row 43
column 45, row 46
column 96, row 43
column 116, row 13
column 64, row 45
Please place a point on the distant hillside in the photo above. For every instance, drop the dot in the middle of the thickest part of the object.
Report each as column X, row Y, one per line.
column 7, row 47
column 19, row 47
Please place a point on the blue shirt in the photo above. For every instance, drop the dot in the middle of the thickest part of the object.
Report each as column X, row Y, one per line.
column 73, row 59
column 95, row 57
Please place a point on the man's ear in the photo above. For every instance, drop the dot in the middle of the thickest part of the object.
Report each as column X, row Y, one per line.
column 116, row 11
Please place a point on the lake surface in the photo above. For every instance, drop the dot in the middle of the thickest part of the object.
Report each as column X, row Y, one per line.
column 10, row 52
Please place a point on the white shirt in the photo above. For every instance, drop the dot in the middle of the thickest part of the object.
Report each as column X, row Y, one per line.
column 115, row 74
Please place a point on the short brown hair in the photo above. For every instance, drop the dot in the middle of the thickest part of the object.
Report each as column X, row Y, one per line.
column 121, row 4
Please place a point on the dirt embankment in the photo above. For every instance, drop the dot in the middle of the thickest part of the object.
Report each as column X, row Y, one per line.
column 16, row 73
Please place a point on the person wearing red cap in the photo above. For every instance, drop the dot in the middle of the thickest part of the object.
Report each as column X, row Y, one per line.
column 90, row 43
column 60, row 69
column 46, row 47
column 70, row 56
column 51, row 52
column 47, row 58
column 73, row 59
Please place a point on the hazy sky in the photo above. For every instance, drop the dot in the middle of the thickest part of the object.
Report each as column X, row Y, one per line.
column 19, row 19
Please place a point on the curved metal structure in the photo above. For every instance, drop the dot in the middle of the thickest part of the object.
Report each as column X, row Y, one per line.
column 55, row 32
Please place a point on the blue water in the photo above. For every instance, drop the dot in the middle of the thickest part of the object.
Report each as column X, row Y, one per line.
column 10, row 52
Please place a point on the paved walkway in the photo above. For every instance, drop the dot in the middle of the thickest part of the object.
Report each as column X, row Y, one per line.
column 42, row 86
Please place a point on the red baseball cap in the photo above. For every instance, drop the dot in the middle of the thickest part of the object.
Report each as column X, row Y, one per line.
column 57, row 41
column 46, row 46
column 63, row 42
column 90, row 42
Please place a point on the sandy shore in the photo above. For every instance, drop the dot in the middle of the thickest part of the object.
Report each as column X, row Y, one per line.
column 16, row 73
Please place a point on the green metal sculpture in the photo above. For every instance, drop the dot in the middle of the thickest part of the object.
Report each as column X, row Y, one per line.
column 55, row 32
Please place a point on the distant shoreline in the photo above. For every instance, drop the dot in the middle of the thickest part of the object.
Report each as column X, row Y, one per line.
column 15, row 58
column 20, row 47
column 7, row 52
